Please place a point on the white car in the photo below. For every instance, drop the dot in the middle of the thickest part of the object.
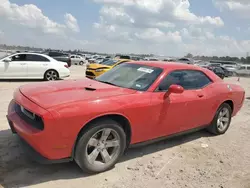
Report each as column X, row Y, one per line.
column 77, row 60
column 243, row 70
column 32, row 66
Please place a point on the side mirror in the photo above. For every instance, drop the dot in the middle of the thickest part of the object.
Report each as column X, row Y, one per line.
column 174, row 89
column 7, row 60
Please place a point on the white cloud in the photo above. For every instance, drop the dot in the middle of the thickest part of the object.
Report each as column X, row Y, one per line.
column 162, row 26
column 28, row 15
column 203, row 42
column 1, row 33
column 240, row 8
column 157, row 36
column 138, row 26
column 36, row 28
column 144, row 12
column 71, row 22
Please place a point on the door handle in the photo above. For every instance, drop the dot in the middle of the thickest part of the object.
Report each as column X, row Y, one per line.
column 45, row 64
column 200, row 95
column 23, row 63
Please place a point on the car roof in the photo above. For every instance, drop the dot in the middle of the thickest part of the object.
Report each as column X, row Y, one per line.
column 171, row 66
column 167, row 65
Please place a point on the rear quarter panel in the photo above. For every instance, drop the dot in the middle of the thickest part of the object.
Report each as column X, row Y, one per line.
column 222, row 91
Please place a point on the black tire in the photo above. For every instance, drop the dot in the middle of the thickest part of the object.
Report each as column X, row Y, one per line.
column 81, row 63
column 51, row 75
column 81, row 152
column 213, row 128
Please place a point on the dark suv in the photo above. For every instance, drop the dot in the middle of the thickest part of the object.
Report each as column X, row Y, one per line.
column 60, row 56
column 218, row 71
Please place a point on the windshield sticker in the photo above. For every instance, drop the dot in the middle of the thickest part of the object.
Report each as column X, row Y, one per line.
column 143, row 69
column 137, row 85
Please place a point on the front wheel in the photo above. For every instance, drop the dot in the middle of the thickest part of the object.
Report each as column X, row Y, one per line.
column 222, row 120
column 51, row 75
column 100, row 147
column 81, row 63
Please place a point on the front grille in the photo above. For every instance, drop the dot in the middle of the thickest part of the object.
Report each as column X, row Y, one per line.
column 88, row 73
column 29, row 117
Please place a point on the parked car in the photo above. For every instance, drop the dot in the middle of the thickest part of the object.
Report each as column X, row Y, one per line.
column 92, row 122
column 186, row 60
column 231, row 68
column 99, row 60
column 123, row 57
column 94, row 70
column 105, row 59
column 77, row 60
column 32, row 66
column 227, row 72
column 243, row 70
column 60, row 56
column 218, row 71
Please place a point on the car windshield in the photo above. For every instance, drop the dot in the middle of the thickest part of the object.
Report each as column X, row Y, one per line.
column 132, row 76
column 110, row 62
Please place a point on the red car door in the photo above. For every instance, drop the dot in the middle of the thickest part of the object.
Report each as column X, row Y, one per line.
column 180, row 112
column 172, row 115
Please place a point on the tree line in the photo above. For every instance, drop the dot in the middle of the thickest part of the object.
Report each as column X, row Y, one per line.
column 245, row 60
column 189, row 55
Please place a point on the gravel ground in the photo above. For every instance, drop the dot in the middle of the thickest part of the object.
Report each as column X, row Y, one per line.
column 197, row 160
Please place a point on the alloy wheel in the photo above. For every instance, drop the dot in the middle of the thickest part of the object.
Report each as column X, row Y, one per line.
column 223, row 119
column 103, row 147
column 51, row 75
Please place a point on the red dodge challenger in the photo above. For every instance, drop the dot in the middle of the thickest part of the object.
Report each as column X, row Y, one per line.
column 93, row 121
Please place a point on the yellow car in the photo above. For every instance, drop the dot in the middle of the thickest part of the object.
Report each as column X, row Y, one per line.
column 94, row 70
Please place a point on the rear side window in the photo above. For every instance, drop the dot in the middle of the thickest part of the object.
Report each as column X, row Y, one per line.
column 188, row 79
column 248, row 68
column 33, row 57
column 242, row 68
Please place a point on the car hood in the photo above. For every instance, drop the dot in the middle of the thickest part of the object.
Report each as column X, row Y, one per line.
column 97, row 66
column 51, row 94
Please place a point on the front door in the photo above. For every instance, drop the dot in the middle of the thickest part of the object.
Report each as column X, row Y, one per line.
column 173, row 113
column 181, row 112
column 17, row 68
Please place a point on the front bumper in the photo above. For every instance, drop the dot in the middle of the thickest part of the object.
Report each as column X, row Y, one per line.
column 44, row 145
column 35, row 155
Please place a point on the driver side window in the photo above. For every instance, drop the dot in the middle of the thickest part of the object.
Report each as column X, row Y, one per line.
column 19, row 57
column 188, row 79
column 172, row 78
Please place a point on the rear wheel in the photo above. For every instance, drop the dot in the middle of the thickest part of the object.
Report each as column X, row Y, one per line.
column 81, row 63
column 51, row 75
column 222, row 120
column 100, row 147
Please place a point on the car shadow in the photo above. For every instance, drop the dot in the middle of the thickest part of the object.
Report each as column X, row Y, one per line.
column 17, row 169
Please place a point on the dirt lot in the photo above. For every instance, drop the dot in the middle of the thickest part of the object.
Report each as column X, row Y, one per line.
column 195, row 160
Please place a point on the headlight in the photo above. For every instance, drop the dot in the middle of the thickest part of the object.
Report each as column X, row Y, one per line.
column 99, row 70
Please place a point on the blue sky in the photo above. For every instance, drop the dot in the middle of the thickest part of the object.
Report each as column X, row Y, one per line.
column 169, row 27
